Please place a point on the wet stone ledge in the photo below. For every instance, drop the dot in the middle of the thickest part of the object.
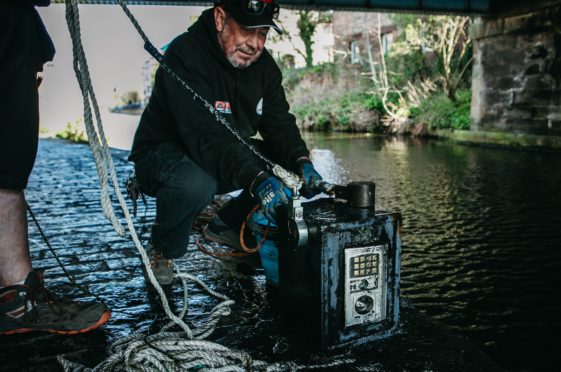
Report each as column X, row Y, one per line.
column 64, row 195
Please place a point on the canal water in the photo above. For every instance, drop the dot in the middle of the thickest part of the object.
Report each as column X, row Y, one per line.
column 482, row 236
column 481, row 261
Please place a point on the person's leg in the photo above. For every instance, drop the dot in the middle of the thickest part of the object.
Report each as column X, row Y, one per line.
column 25, row 304
column 226, row 226
column 235, row 211
column 22, row 292
column 14, row 250
column 179, row 201
column 182, row 190
column 19, row 128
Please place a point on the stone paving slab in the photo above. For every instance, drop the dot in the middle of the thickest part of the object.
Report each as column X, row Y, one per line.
column 64, row 195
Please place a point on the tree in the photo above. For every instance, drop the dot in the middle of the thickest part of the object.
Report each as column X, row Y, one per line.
column 446, row 37
column 306, row 25
column 399, row 93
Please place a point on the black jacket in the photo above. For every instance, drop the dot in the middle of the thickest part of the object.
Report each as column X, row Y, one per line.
column 173, row 116
column 22, row 32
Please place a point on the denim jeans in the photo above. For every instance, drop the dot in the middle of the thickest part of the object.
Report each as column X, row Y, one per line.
column 182, row 190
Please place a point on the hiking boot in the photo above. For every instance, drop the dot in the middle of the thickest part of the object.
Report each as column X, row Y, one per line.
column 162, row 267
column 217, row 231
column 31, row 307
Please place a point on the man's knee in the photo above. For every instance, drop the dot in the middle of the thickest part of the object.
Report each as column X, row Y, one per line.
column 184, row 185
column 191, row 190
column 168, row 169
column 179, row 200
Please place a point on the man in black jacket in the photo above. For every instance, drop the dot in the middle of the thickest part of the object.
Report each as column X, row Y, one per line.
column 25, row 304
column 183, row 156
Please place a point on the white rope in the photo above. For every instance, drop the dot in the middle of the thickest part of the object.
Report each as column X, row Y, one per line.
column 165, row 350
column 171, row 352
column 291, row 180
column 96, row 139
column 102, row 155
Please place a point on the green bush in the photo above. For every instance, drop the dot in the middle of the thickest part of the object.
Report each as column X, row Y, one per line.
column 373, row 102
column 414, row 112
column 73, row 133
column 317, row 112
column 439, row 112
column 292, row 76
column 411, row 67
column 335, row 113
column 343, row 109
column 324, row 68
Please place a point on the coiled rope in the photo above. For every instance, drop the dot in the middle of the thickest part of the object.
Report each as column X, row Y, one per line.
column 165, row 350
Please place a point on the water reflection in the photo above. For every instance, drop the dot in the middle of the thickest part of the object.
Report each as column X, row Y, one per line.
column 481, row 245
column 328, row 166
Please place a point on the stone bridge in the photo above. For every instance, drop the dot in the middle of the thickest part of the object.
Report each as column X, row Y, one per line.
column 516, row 80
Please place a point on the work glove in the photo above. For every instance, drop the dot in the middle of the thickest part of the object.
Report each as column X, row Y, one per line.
column 310, row 177
column 271, row 194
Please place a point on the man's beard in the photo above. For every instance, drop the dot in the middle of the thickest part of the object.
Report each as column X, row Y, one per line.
column 245, row 49
column 237, row 64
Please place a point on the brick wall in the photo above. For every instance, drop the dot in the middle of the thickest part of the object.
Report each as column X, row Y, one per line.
column 351, row 26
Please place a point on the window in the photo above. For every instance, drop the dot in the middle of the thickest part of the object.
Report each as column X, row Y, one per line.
column 387, row 40
column 355, row 52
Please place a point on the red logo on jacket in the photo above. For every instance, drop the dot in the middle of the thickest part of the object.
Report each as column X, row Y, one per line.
column 223, row 107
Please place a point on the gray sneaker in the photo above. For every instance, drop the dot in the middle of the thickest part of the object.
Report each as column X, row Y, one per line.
column 161, row 266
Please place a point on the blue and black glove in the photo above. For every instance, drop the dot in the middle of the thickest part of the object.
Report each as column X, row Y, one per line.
column 311, row 178
column 272, row 193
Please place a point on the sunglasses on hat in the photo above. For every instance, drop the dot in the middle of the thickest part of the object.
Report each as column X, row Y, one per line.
column 259, row 7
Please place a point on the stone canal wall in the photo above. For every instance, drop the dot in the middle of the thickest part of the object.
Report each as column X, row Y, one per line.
column 517, row 73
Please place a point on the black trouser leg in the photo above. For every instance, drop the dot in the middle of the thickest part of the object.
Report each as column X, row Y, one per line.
column 182, row 190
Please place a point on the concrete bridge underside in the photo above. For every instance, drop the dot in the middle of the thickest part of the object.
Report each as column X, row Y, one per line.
column 516, row 79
